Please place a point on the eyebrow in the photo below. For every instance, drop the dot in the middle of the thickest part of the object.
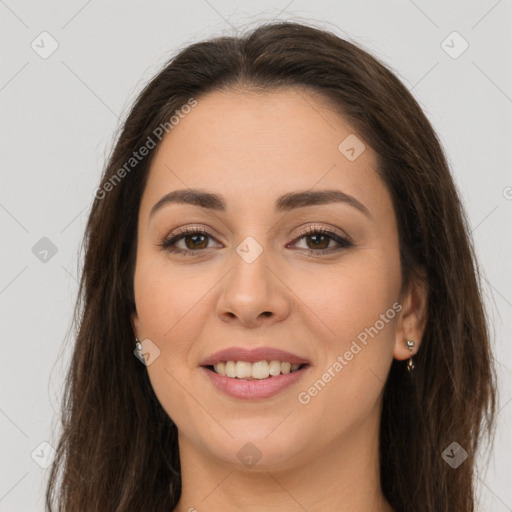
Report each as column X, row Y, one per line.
column 284, row 203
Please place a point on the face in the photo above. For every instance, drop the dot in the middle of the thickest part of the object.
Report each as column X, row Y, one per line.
column 318, row 279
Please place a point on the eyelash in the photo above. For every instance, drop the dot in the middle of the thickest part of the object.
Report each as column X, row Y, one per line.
column 344, row 243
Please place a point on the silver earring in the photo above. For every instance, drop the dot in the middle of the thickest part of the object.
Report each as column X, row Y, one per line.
column 410, row 345
column 138, row 349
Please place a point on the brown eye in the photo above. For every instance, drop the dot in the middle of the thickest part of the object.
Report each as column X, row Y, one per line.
column 195, row 240
column 318, row 240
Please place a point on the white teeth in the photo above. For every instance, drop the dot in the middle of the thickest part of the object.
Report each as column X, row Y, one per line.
column 220, row 368
column 258, row 370
column 243, row 369
column 275, row 367
column 286, row 367
column 230, row 369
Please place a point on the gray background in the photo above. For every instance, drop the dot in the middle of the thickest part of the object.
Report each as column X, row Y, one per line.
column 59, row 115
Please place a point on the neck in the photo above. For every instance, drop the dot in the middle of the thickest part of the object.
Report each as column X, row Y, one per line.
column 344, row 477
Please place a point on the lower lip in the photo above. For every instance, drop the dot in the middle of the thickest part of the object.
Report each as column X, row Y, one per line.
column 253, row 389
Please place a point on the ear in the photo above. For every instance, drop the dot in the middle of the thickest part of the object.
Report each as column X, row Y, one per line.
column 134, row 318
column 413, row 316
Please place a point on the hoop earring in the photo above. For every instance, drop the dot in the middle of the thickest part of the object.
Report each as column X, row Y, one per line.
column 410, row 345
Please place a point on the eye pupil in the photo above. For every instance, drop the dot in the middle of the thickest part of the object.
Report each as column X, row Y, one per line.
column 317, row 237
column 194, row 245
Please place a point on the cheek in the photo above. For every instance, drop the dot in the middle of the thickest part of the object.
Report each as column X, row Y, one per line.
column 170, row 306
column 358, row 323
column 355, row 307
column 167, row 298
column 349, row 297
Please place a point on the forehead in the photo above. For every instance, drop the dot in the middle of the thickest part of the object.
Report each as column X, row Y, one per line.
column 252, row 147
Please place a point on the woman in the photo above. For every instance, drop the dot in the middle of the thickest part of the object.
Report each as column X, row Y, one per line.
column 278, row 239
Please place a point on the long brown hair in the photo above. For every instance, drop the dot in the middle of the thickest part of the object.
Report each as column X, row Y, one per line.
column 118, row 449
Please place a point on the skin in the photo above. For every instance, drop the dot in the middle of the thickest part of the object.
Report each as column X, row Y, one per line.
column 251, row 148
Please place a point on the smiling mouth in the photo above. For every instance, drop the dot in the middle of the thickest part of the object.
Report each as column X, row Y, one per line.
column 261, row 370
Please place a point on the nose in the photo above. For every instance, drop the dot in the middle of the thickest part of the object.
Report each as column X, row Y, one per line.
column 253, row 293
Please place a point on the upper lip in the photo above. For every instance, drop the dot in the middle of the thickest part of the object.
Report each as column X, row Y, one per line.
column 252, row 356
